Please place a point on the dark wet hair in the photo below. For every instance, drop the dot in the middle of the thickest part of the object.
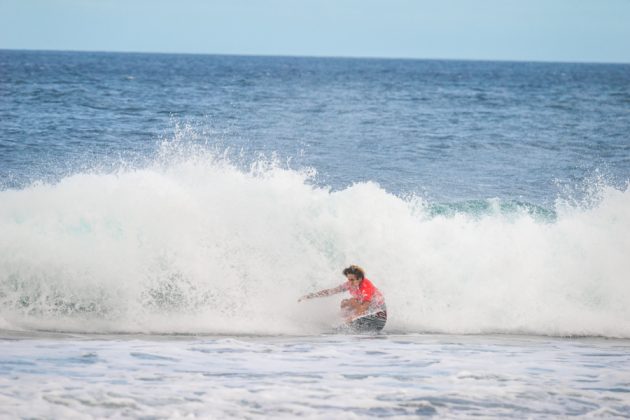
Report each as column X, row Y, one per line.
column 356, row 270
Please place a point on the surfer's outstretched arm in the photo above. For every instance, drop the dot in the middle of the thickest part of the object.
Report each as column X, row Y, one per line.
column 322, row 293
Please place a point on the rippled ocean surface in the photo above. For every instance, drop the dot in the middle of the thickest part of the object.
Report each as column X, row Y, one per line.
column 161, row 214
column 453, row 130
column 392, row 376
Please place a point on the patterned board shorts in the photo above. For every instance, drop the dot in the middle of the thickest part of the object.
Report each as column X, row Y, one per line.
column 370, row 323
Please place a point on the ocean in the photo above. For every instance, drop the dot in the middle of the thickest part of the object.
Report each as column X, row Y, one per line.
column 161, row 214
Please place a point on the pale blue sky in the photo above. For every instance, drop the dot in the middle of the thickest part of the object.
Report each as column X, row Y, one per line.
column 541, row 30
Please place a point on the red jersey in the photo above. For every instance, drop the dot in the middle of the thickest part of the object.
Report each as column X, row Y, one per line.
column 366, row 292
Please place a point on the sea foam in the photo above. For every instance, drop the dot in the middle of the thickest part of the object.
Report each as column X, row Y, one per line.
column 194, row 243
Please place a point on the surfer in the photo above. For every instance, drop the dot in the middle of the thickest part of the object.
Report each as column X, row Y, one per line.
column 366, row 309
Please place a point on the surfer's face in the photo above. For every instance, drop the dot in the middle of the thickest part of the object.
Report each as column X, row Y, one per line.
column 352, row 278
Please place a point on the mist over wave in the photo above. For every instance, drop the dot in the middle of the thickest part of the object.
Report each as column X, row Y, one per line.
column 193, row 243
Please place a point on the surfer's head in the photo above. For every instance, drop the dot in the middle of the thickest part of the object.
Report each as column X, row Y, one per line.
column 355, row 270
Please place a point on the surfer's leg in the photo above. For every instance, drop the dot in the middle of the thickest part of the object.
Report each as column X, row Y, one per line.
column 349, row 304
column 345, row 308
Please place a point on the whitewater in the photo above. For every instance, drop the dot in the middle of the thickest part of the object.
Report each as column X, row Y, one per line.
column 193, row 244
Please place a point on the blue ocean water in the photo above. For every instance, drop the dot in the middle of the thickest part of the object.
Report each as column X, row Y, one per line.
column 161, row 214
column 451, row 130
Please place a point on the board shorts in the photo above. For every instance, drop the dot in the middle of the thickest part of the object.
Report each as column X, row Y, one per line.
column 370, row 323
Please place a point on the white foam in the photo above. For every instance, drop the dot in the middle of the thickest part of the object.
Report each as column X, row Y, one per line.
column 193, row 244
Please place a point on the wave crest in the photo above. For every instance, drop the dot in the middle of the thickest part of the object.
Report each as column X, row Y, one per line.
column 194, row 243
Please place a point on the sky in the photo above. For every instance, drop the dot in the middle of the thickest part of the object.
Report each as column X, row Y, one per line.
column 525, row 30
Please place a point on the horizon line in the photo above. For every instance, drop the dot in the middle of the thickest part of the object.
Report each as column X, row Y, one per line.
column 307, row 56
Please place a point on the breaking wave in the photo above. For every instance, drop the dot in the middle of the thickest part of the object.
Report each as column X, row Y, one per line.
column 194, row 243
